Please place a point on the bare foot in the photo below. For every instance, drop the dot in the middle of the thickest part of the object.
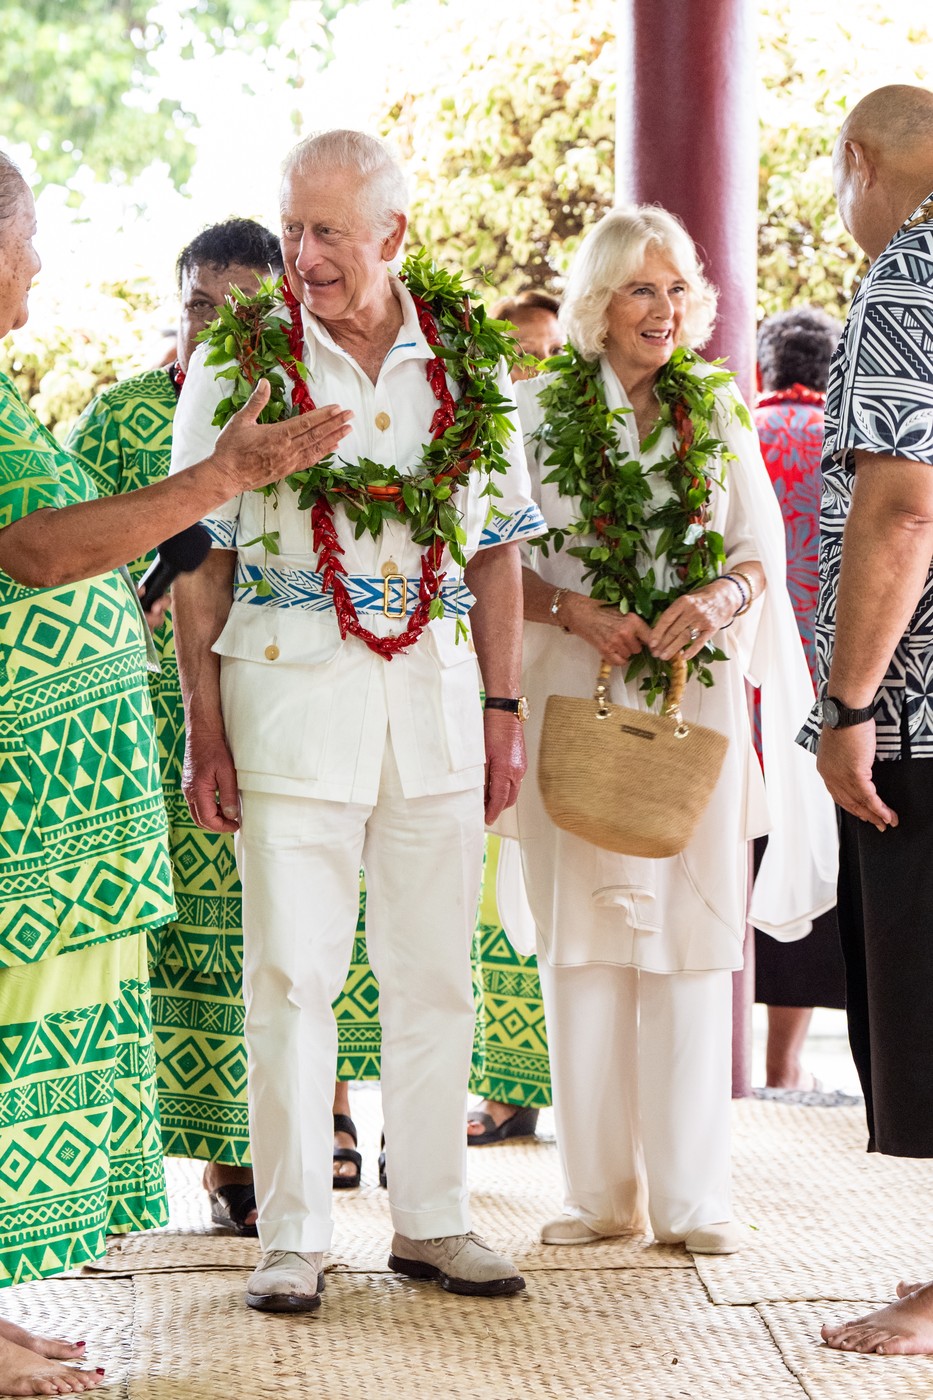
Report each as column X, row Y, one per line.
column 796, row 1078
column 24, row 1372
column 904, row 1290
column 904, row 1328
column 499, row 1113
column 217, row 1174
column 42, row 1346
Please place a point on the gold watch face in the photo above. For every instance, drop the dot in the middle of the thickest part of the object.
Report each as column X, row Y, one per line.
column 523, row 711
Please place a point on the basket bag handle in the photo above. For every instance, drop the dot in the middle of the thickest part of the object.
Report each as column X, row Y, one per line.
column 672, row 701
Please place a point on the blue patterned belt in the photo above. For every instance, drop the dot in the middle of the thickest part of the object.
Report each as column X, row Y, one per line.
column 393, row 596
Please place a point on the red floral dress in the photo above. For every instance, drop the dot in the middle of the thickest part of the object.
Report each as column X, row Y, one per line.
column 790, row 430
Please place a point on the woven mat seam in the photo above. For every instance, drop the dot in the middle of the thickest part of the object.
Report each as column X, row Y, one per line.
column 101, row 1275
column 788, row 1363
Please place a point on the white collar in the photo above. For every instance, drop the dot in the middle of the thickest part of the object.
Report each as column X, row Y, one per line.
column 410, row 343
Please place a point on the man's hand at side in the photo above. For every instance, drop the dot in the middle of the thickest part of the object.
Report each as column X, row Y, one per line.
column 505, row 761
column 209, row 782
column 844, row 762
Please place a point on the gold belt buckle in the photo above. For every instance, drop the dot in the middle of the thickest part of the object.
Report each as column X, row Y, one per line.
column 389, row 576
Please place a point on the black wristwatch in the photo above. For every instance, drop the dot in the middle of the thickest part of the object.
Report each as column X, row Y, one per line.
column 836, row 715
column 517, row 707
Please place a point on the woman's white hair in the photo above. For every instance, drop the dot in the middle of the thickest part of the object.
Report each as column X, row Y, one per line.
column 611, row 255
column 384, row 189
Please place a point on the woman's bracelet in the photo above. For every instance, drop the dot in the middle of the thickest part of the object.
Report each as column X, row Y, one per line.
column 746, row 579
column 559, row 596
column 745, row 593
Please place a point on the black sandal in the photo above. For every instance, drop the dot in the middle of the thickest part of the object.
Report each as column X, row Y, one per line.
column 345, row 1124
column 522, row 1124
column 230, row 1205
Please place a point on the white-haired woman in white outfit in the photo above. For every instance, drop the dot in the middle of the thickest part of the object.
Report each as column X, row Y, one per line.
column 636, row 956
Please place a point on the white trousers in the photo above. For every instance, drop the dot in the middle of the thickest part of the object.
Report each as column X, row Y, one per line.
column 641, row 1073
column 299, row 862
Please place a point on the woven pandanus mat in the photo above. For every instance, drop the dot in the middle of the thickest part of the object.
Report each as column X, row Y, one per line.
column 650, row 1335
column 515, row 1189
column 80, row 1309
column 833, row 1375
column 829, row 1220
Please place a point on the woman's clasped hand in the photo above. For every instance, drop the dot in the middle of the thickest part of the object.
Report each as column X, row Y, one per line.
column 686, row 626
column 689, row 623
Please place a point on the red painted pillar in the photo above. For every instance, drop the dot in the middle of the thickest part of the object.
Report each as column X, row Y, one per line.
column 688, row 140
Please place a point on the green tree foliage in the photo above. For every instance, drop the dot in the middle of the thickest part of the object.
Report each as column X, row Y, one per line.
column 509, row 132
column 508, row 129
column 63, row 357
column 85, row 82
column 816, row 60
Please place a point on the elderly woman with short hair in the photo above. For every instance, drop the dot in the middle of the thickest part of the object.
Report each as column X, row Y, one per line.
column 643, row 458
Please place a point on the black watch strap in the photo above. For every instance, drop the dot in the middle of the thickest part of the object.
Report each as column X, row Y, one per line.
column 517, row 706
column 837, row 715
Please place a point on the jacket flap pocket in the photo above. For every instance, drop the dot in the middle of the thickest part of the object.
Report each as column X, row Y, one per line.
column 278, row 636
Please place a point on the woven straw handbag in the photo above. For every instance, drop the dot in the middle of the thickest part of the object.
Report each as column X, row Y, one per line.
column 627, row 780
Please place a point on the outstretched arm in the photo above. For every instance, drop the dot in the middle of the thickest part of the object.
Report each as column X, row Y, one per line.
column 48, row 547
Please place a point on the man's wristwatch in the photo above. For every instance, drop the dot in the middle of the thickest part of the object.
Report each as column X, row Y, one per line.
column 517, row 707
column 836, row 715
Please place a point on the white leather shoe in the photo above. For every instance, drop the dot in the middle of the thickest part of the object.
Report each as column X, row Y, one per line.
column 569, row 1229
column 722, row 1237
column 459, row 1263
column 286, row 1281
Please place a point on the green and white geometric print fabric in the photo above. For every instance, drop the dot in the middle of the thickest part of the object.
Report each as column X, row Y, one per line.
column 83, row 854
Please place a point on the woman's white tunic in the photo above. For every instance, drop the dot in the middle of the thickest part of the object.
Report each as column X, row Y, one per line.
column 688, row 912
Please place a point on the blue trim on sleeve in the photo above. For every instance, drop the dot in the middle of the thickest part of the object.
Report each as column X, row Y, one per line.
column 222, row 532
column 522, row 525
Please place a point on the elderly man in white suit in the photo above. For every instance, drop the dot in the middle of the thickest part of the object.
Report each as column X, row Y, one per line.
column 322, row 752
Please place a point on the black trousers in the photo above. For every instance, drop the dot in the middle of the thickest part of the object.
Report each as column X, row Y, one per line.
column 885, row 915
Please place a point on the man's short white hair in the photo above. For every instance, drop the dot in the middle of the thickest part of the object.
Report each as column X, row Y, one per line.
column 611, row 255
column 384, row 190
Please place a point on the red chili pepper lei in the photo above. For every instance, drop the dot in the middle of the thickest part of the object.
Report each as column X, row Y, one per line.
column 324, row 532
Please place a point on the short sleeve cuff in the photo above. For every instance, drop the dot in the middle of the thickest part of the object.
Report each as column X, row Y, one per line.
column 525, row 524
column 881, row 429
column 221, row 531
column 18, row 499
column 809, row 736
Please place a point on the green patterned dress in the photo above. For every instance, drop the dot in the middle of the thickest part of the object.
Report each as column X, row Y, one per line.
column 84, row 876
column 510, row 1061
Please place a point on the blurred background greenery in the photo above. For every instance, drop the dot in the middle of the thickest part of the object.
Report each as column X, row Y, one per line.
column 138, row 123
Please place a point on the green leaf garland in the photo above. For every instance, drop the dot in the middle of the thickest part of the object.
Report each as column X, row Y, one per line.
column 249, row 340
column 614, row 492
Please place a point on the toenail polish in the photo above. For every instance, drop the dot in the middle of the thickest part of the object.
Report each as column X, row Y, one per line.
column 100, row 1370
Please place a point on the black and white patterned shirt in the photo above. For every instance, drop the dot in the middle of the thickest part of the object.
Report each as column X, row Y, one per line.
column 880, row 399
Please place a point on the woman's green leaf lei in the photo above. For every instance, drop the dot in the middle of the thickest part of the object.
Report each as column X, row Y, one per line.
column 250, row 340
column 614, row 492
